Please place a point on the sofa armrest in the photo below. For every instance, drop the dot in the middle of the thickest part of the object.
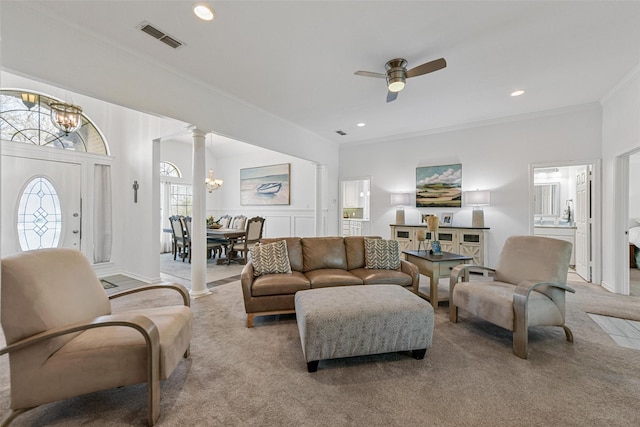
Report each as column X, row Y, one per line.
column 246, row 280
column 412, row 270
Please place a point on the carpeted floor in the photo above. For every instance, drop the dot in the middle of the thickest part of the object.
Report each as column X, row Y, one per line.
column 257, row 377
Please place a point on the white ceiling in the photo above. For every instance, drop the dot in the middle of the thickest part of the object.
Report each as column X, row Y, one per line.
column 295, row 59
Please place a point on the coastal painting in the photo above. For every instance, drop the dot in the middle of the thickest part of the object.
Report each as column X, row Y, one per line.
column 265, row 185
column 439, row 186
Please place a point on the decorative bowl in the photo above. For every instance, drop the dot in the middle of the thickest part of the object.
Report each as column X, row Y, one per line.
column 214, row 225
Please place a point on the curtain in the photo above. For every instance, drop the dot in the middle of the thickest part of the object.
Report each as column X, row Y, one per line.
column 102, row 219
column 165, row 213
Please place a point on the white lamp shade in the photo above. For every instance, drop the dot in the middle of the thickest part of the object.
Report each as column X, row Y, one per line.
column 478, row 198
column 400, row 199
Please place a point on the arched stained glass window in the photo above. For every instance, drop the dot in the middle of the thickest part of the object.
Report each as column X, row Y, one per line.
column 26, row 117
column 39, row 215
column 169, row 169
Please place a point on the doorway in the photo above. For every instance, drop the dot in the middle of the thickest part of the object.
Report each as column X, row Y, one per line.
column 563, row 196
column 632, row 224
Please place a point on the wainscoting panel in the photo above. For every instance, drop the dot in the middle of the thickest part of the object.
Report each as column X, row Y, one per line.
column 280, row 222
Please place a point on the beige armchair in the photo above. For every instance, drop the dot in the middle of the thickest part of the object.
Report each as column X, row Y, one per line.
column 528, row 288
column 63, row 340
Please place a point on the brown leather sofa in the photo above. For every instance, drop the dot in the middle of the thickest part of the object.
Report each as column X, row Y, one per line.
column 317, row 262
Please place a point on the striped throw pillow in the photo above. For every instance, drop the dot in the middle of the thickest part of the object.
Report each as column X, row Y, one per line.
column 271, row 258
column 381, row 254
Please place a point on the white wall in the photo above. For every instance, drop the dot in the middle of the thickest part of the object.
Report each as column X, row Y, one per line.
column 494, row 157
column 296, row 219
column 620, row 135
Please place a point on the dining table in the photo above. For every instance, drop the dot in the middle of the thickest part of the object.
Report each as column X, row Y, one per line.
column 232, row 235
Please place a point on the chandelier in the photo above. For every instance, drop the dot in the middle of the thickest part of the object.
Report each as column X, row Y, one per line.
column 66, row 117
column 212, row 183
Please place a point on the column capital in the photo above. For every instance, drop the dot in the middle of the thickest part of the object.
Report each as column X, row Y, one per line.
column 196, row 132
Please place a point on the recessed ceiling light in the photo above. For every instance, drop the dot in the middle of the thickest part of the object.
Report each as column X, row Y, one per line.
column 360, row 125
column 204, row 12
column 517, row 92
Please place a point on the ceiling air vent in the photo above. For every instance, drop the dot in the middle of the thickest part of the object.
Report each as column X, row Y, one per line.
column 156, row 33
column 340, row 132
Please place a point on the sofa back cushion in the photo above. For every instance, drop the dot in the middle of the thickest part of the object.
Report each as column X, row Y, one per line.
column 323, row 252
column 294, row 250
column 354, row 245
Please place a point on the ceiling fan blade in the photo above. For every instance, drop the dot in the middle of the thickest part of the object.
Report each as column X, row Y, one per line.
column 391, row 96
column 370, row 74
column 427, row 67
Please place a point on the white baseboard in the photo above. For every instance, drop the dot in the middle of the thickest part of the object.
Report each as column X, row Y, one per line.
column 608, row 287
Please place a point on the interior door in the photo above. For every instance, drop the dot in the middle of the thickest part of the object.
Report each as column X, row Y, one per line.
column 583, row 223
column 65, row 179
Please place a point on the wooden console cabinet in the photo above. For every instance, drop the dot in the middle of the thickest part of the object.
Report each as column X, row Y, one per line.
column 466, row 241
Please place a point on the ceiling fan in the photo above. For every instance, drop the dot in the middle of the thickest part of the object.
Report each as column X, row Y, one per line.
column 397, row 74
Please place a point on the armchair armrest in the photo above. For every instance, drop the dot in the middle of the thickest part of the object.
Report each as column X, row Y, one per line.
column 521, row 320
column 175, row 286
column 141, row 323
column 412, row 270
column 463, row 270
column 524, row 289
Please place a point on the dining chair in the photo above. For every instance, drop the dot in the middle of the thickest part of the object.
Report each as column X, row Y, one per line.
column 213, row 246
column 238, row 222
column 252, row 236
column 180, row 240
column 63, row 340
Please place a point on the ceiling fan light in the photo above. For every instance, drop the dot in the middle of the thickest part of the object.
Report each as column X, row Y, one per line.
column 396, row 85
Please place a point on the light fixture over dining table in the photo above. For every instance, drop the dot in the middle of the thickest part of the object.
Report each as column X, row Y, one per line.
column 212, row 183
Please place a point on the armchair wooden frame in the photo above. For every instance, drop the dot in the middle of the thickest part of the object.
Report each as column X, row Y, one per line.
column 520, row 304
column 136, row 321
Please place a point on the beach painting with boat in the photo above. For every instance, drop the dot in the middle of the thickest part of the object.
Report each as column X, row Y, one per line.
column 439, row 186
column 265, row 185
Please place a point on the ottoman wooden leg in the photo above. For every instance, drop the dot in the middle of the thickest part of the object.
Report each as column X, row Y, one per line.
column 419, row 354
column 312, row 366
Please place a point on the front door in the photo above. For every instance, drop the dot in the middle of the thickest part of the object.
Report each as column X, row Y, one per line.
column 41, row 204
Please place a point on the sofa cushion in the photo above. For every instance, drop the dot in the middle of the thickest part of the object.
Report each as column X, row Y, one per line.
column 354, row 246
column 294, row 250
column 324, row 278
column 323, row 252
column 372, row 276
column 279, row 284
column 381, row 254
column 270, row 258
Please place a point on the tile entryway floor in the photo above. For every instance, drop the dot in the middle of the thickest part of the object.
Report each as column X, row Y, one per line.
column 625, row 333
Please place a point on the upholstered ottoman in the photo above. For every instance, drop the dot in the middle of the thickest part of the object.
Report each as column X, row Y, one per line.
column 346, row 321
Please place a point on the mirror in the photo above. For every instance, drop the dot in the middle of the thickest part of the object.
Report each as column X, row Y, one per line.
column 356, row 194
column 547, row 199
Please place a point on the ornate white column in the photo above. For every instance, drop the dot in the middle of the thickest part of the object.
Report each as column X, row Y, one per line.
column 198, row 217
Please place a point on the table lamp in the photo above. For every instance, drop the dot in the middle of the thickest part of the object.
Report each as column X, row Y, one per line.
column 421, row 236
column 477, row 199
column 400, row 200
column 432, row 226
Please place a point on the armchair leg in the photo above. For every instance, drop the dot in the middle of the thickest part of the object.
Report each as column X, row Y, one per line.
column 568, row 333
column 520, row 343
column 453, row 312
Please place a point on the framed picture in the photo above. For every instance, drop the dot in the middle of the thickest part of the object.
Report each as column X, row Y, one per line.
column 446, row 220
column 439, row 186
column 435, row 247
column 265, row 185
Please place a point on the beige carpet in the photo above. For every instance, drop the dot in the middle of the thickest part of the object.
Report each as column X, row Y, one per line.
column 257, row 377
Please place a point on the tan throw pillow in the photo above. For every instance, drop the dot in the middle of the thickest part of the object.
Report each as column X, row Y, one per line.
column 271, row 258
column 381, row 254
